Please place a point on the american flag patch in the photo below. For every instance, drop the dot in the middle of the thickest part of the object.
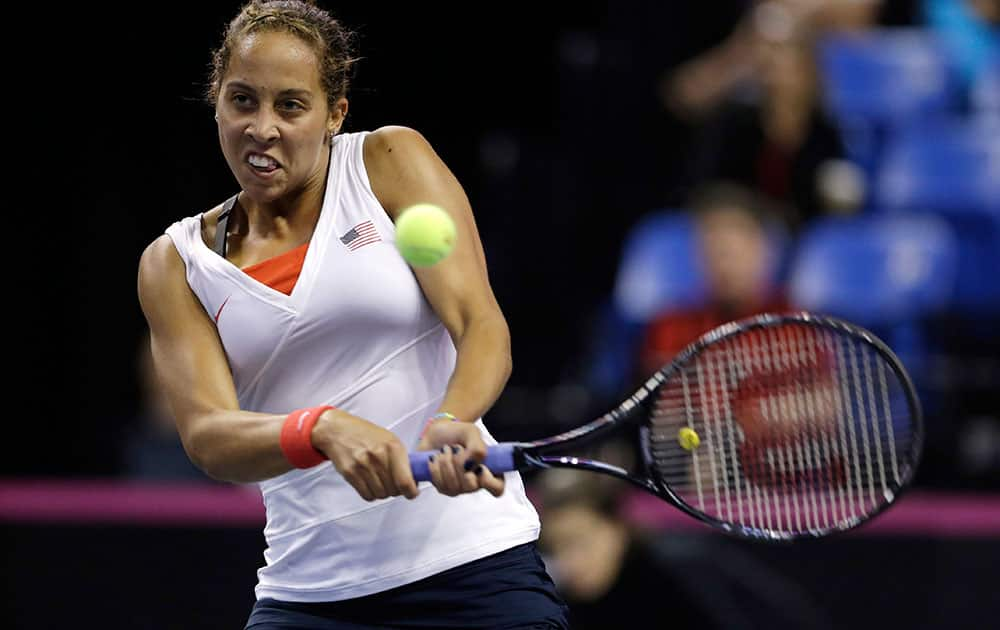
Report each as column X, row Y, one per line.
column 360, row 235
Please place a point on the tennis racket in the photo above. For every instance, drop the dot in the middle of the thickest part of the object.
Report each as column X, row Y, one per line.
column 776, row 427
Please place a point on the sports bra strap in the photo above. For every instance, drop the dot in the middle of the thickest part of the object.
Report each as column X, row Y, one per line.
column 222, row 226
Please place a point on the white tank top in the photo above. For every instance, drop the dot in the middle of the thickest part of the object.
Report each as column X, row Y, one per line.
column 356, row 333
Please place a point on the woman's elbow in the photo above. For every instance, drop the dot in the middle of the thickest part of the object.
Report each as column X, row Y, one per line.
column 200, row 448
column 506, row 354
column 200, row 456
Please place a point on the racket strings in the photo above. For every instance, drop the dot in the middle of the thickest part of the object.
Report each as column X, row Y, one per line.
column 801, row 429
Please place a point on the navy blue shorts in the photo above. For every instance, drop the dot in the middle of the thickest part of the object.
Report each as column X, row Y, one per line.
column 510, row 589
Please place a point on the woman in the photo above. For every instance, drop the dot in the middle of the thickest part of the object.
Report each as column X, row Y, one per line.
column 783, row 145
column 304, row 337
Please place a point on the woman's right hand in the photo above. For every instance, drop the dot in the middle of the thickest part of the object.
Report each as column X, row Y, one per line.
column 372, row 459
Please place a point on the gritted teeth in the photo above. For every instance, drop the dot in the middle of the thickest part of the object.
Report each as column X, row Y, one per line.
column 258, row 160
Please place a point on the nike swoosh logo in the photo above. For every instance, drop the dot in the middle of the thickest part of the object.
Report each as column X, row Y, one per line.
column 220, row 309
column 302, row 419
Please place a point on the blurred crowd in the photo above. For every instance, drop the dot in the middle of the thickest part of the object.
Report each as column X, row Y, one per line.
column 839, row 160
column 840, row 157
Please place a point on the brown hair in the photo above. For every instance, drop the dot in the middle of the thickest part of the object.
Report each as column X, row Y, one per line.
column 331, row 40
column 719, row 194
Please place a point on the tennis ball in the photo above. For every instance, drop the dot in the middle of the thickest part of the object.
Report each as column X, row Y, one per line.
column 425, row 234
column 688, row 439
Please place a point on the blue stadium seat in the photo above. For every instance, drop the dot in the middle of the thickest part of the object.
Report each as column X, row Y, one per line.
column 951, row 168
column 945, row 165
column 660, row 266
column 985, row 91
column 659, row 269
column 610, row 358
column 877, row 81
column 888, row 273
column 886, row 75
column 876, row 270
column 977, row 292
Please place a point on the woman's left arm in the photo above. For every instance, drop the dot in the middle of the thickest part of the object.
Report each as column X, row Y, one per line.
column 404, row 170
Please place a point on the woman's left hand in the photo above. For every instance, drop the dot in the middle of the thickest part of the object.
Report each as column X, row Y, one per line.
column 456, row 468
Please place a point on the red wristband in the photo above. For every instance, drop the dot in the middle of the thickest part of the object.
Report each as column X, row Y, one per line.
column 296, row 442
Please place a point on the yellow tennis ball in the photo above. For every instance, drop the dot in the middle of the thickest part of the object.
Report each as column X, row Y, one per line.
column 425, row 234
column 688, row 439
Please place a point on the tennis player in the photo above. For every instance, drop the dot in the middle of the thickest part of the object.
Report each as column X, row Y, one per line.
column 300, row 351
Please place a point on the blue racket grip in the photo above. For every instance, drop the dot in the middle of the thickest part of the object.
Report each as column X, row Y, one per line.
column 499, row 459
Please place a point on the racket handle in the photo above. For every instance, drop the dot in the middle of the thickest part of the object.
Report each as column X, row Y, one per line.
column 499, row 459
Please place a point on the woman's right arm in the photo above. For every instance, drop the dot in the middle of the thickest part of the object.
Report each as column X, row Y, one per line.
column 191, row 366
column 225, row 442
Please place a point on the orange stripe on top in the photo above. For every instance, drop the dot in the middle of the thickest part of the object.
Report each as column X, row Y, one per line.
column 281, row 272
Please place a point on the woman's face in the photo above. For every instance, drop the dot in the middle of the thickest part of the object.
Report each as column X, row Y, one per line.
column 736, row 255
column 274, row 121
column 586, row 549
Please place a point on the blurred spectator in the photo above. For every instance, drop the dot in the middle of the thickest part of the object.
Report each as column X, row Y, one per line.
column 978, row 451
column 782, row 145
column 153, row 449
column 610, row 569
column 605, row 570
column 737, row 242
column 697, row 87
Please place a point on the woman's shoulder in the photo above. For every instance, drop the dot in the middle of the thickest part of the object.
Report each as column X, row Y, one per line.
column 382, row 142
column 159, row 262
column 395, row 157
column 161, row 248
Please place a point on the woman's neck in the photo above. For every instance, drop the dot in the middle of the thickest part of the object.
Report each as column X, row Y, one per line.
column 285, row 217
column 282, row 217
